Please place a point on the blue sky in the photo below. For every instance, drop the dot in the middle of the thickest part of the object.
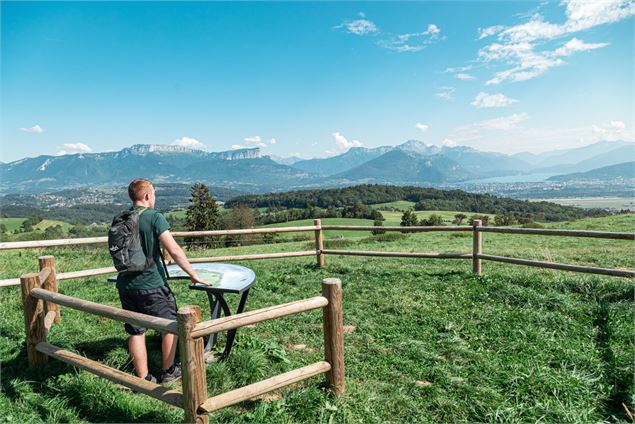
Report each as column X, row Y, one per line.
column 314, row 79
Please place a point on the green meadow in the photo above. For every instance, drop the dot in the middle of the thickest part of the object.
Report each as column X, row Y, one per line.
column 426, row 340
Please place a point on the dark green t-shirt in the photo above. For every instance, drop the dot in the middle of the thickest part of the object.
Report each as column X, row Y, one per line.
column 151, row 225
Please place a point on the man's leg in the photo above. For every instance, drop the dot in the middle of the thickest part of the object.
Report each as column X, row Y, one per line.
column 168, row 349
column 137, row 347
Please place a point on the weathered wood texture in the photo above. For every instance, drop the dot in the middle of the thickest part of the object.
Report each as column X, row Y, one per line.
column 192, row 365
column 49, row 283
column 142, row 320
column 243, row 231
column 397, row 254
column 628, row 273
column 257, row 389
column 34, row 326
column 50, row 243
column 334, row 334
column 259, row 315
column 68, row 275
column 319, row 243
column 141, row 385
column 477, row 247
column 548, row 232
column 252, row 257
column 413, row 229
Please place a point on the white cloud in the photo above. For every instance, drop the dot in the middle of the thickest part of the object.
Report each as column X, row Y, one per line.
column 614, row 130
column 484, row 100
column 237, row 146
column 433, row 29
column 422, row 127
column 518, row 45
column 446, row 93
column 412, row 42
column 486, row 32
column 36, row 129
column 272, row 141
column 574, row 45
column 448, row 142
column 463, row 76
column 461, row 69
column 191, row 143
column 253, row 139
column 71, row 148
column 504, row 122
column 343, row 143
column 359, row 27
column 261, row 144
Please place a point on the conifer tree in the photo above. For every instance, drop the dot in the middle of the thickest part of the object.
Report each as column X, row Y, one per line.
column 202, row 214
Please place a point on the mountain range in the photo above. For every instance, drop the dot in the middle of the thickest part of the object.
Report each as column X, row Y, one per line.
column 412, row 162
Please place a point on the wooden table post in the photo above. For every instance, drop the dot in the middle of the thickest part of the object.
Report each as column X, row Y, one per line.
column 33, row 319
column 50, row 284
column 192, row 364
column 477, row 247
column 334, row 334
column 319, row 242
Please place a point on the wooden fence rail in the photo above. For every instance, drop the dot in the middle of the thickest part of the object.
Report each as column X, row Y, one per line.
column 318, row 229
column 41, row 309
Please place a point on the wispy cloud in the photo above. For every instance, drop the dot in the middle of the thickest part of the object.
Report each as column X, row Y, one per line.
column 484, row 100
column 504, row 122
column 486, row 32
column 255, row 140
column 612, row 131
column 191, row 143
column 422, row 127
column 71, row 148
column 412, row 42
column 237, row 146
column 446, row 93
column 464, row 76
column 460, row 69
column 360, row 26
column 517, row 46
column 272, row 141
column 36, row 129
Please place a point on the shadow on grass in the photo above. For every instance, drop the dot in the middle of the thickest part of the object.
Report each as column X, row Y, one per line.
column 618, row 381
column 60, row 380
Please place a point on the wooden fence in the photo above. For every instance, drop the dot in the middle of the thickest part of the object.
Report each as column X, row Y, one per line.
column 41, row 309
column 476, row 255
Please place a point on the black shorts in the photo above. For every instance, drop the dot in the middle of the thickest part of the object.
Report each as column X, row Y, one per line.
column 157, row 302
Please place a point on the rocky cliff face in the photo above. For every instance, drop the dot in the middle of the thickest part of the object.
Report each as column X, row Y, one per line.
column 238, row 154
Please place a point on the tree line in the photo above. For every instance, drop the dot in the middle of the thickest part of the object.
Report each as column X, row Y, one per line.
column 424, row 199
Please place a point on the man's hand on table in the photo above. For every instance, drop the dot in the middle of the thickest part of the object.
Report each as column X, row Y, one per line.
column 196, row 280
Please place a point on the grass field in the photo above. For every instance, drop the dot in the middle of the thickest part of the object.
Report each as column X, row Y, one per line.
column 400, row 205
column 15, row 223
column 594, row 202
column 427, row 341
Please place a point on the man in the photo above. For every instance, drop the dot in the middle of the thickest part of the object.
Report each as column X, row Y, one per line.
column 148, row 292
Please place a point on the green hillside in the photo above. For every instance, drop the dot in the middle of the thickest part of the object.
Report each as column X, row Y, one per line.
column 426, row 340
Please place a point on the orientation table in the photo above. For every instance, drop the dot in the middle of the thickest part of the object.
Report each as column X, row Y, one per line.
column 225, row 278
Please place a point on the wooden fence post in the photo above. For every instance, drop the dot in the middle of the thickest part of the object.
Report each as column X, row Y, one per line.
column 50, row 284
column 477, row 247
column 319, row 242
column 334, row 334
column 33, row 319
column 166, row 256
column 192, row 364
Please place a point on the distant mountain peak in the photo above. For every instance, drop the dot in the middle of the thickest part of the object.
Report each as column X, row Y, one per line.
column 143, row 149
column 420, row 147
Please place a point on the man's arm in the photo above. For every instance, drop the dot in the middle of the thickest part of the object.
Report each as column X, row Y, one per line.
column 179, row 257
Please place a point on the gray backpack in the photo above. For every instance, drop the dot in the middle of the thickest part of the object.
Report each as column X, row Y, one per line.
column 124, row 244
